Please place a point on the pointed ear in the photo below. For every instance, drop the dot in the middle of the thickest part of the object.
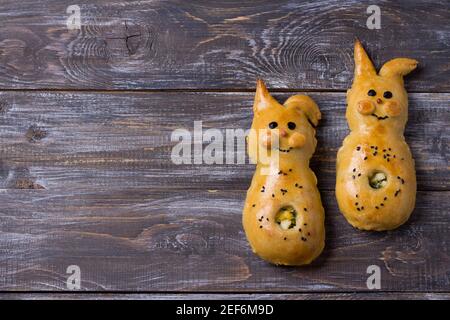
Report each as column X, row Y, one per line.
column 397, row 68
column 363, row 64
column 306, row 105
column 263, row 99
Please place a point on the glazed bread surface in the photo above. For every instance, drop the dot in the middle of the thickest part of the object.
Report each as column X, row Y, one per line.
column 376, row 180
column 283, row 217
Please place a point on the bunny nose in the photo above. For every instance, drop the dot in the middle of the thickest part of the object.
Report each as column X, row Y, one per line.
column 283, row 133
column 379, row 101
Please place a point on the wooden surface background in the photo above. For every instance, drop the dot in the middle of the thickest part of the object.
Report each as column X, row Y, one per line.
column 85, row 122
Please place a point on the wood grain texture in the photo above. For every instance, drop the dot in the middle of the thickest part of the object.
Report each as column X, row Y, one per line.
column 186, row 240
column 227, row 296
column 86, row 176
column 103, row 194
column 216, row 45
column 82, row 141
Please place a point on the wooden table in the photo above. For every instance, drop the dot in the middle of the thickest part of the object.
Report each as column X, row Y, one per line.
column 86, row 118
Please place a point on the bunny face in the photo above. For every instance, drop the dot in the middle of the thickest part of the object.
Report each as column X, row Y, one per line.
column 378, row 101
column 285, row 127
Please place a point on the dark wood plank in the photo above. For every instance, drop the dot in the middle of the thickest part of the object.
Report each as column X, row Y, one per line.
column 222, row 45
column 81, row 141
column 168, row 240
column 232, row 296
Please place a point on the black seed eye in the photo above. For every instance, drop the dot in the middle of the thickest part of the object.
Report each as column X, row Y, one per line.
column 291, row 125
column 387, row 94
column 372, row 93
column 273, row 125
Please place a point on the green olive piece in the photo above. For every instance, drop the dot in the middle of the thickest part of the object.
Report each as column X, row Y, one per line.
column 378, row 180
column 286, row 217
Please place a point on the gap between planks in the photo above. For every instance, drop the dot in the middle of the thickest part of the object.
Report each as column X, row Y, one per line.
column 188, row 90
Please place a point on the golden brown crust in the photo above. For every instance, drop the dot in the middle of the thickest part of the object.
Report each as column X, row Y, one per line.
column 291, row 187
column 376, row 181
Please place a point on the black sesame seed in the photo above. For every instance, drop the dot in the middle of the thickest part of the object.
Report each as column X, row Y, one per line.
column 304, row 209
column 358, row 148
column 356, row 203
column 260, row 227
column 285, row 238
column 358, row 209
column 290, row 170
column 309, row 233
column 357, row 196
column 385, row 198
column 376, row 207
column 384, row 150
column 375, row 153
column 296, row 184
column 359, row 174
column 403, row 181
column 253, row 205
column 353, row 177
column 273, row 196
column 394, row 156
column 354, row 169
column 389, row 149
column 267, row 219
column 365, row 158
column 382, row 204
column 387, row 160
column 362, row 208
column 305, row 224
column 300, row 230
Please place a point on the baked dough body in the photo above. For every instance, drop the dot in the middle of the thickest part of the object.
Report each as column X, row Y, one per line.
column 376, row 181
column 379, row 209
column 291, row 184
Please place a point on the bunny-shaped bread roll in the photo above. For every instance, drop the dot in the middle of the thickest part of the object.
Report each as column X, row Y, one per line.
column 376, row 181
column 283, row 216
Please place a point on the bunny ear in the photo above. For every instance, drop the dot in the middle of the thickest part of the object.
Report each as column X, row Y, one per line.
column 306, row 105
column 397, row 68
column 263, row 99
column 363, row 64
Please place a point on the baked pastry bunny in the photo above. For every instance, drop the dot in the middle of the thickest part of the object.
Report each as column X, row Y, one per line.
column 376, row 180
column 283, row 216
